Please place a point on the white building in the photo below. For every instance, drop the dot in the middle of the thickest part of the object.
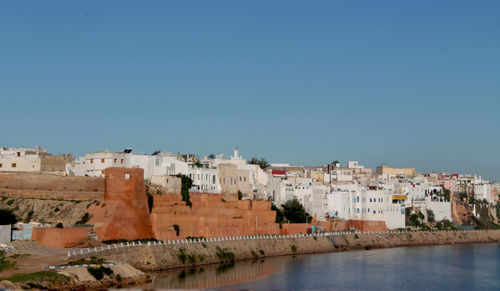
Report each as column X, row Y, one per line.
column 257, row 178
column 31, row 160
column 94, row 164
column 484, row 191
column 341, row 175
column 354, row 165
column 365, row 204
column 280, row 190
column 205, row 180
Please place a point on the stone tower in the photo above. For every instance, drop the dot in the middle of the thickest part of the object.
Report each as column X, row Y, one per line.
column 124, row 212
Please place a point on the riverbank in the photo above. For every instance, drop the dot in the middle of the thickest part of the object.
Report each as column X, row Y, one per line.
column 131, row 262
column 167, row 255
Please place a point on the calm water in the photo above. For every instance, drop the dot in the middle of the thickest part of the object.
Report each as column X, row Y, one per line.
column 462, row 267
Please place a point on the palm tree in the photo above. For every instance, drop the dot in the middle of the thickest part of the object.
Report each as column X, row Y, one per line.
column 263, row 163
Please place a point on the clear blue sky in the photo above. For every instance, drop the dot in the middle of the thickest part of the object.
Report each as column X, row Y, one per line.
column 408, row 83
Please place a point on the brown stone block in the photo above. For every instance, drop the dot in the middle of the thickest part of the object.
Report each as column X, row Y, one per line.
column 60, row 237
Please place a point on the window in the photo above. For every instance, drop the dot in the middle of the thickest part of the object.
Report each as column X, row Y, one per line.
column 18, row 154
column 102, row 161
column 114, row 161
column 127, row 176
column 370, row 200
column 13, row 165
column 0, row 165
column 121, row 162
column 357, row 210
column 357, row 199
column 91, row 161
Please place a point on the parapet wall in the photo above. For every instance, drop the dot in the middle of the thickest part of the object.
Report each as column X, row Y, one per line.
column 50, row 182
column 210, row 216
column 60, row 237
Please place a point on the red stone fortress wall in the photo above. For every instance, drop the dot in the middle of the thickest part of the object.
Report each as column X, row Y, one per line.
column 60, row 237
column 210, row 216
column 124, row 212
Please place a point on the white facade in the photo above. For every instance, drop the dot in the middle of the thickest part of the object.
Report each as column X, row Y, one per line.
column 364, row 204
column 280, row 190
column 483, row 191
column 205, row 180
column 317, row 204
column 354, row 165
column 94, row 164
column 257, row 178
column 31, row 160
column 20, row 159
column 341, row 175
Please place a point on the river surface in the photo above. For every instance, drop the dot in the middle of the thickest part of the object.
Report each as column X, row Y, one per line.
column 452, row 267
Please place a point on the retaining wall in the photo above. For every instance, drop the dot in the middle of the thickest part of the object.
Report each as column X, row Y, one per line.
column 163, row 255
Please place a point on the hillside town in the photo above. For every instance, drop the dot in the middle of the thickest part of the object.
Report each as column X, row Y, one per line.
column 238, row 196
column 145, row 212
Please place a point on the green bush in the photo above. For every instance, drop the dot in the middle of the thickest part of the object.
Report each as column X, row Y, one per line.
column 295, row 212
column 430, row 216
column 177, row 229
column 7, row 217
column 99, row 272
column 30, row 215
column 280, row 217
column 445, row 224
column 10, row 202
column 150, row 201
column 293, row 248
column 5, row 264
column 181, row 256
column 186, row 184
column 225, row 256
column 43, row 275
column 85, row 218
